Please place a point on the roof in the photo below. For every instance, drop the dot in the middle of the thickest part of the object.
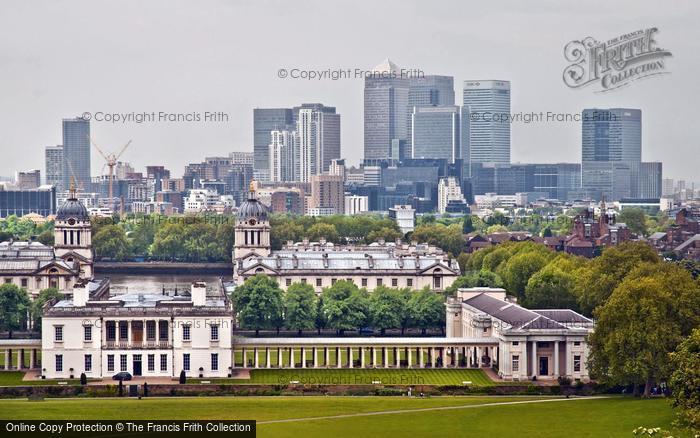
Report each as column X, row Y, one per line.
column 691, row 241
column 252, row 208
column 72, row 208
column 564, row 315
column 386, row 66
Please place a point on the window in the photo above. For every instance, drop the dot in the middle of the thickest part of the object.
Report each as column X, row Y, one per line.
column 186, row 361
column 110, row 362
column 394, row 282
column 319, row 282
column 364, row 282
column 437, row 282
column 577, row 364
column 163, row 330
column 577, row 343
column 87, row 333
column 123, row 330
column 151, row 362
column 516, row 363
column 516, row 343
column 88, row 363
column 59, row 363
column 164, row 362
column 215, row 361
column 333, row 280
column 24, row 282
column 8, row 280
column 122, row 362
column 150, row 330
column 186, row 332
column 288, row 281
column 214, row 332
column 303, row 281
column 379, row 281
column 409, row 282
column 58, row 333
column 486, row 330
column 111, row 331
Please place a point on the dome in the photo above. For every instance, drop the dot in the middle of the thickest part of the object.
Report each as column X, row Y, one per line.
column 72, row 208
column 252, row 208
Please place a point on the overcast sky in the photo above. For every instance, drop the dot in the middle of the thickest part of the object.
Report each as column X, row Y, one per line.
column 61, row 58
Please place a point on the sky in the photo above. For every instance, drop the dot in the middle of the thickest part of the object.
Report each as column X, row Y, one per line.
column 59, row 59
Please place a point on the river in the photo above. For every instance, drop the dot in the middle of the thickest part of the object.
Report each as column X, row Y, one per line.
column 154, row 283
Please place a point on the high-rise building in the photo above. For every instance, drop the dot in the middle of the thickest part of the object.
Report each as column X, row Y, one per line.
column 650, row 180
column 337, row 167
column 53, row 168
column 485, row 123
column 428, row 91
column 284, row 152
column 667, row 188
column 266, row 120
column 355, row 204
column 386, row 109
column 449, row 191
column 242, row 158
column 76, row 152
column 41, row 200
column 611, row 152
column 327, row 193
column 435, row 132
column 326, row 123
column 29, row 179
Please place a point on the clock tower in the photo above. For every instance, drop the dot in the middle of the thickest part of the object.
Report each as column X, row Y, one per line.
column 252, row 231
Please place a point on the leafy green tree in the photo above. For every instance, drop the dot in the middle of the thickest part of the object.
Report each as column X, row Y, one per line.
column 322, row 230
column 300, row 307
column 547, row 232
column 284, row 231
column 475, row 279
column 111, row 242
column 258, row 303
column 427, row 310
column 142, row 235
column 320, row 322
column 685, row 380
column 225, row 236
column 168, row 243
column 604, row 273
column 518, row 270
column 388, row 234
column 385, row 306
column 37, row 305
column 467, row 224
column 45, row 237
column 635, row 219
column 14, row 303
column 646, row 317
column 345, row 306
column 550, row 288
column 463, row 260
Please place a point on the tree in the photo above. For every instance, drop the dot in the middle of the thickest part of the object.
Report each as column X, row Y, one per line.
column 300, row 307
column 550, row 288
column 345, row 306
column 427, row 310
column 633, row 334
column 475, row 279
column 547, row 232
column 168, row 243
column 685, row 380
column 258, row 303
column 285, row 231
column 386, row 233
column 467, row 224
column 518, row 270
column 38, row 305
column 385, row 307
column 635, row 219
column 325, row 231
column 45, row 237
column 14, row 303
column 111, row 242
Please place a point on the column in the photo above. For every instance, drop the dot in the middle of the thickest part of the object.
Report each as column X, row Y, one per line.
column 478, row 356
column 32, row 359
column 350, row 364
column 267, row 358
column 534, row 358
column 523, row 370
column 374, row 357
column 397, row 357
column 362, row 357
column 568, row 371
column 20, row 359
column 409, row 359
column 280, row 363
column 303, row 357
column 245, row 361
column 385, row 356
column 256, row 361
column 315, row 353
column 291, row 357
column 327, row 358
column 556, row 358
column 420, row 357
column 338, row 362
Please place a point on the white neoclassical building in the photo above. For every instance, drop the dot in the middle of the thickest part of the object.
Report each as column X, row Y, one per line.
column 159, row 335
column 321, row 264
column 546, row 344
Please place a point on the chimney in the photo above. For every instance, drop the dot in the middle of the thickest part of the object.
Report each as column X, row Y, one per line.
column 81, row 293
column 198, row 293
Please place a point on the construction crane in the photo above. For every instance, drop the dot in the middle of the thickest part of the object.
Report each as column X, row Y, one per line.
column 111, row 161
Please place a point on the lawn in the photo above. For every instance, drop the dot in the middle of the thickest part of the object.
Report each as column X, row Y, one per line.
column 610, row 417
column 14, row 378
column 357, row 376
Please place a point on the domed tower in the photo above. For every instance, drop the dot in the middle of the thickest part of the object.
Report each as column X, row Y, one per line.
column 73, row 234
column 252, row 235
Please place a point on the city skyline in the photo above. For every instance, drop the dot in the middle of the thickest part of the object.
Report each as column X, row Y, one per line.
column 213, row 84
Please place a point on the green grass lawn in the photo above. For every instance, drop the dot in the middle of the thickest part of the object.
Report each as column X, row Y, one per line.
column 356, row 376
column 14, row 378
column 611, row 417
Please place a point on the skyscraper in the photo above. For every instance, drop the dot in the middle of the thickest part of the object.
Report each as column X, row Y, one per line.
column 611, row 152
column 386, row 110
column 53, row 168
column 435, row 132
column 266, row 120
column 284, row 152
column 325, row 124
column 76, row 152
column 485, row 123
